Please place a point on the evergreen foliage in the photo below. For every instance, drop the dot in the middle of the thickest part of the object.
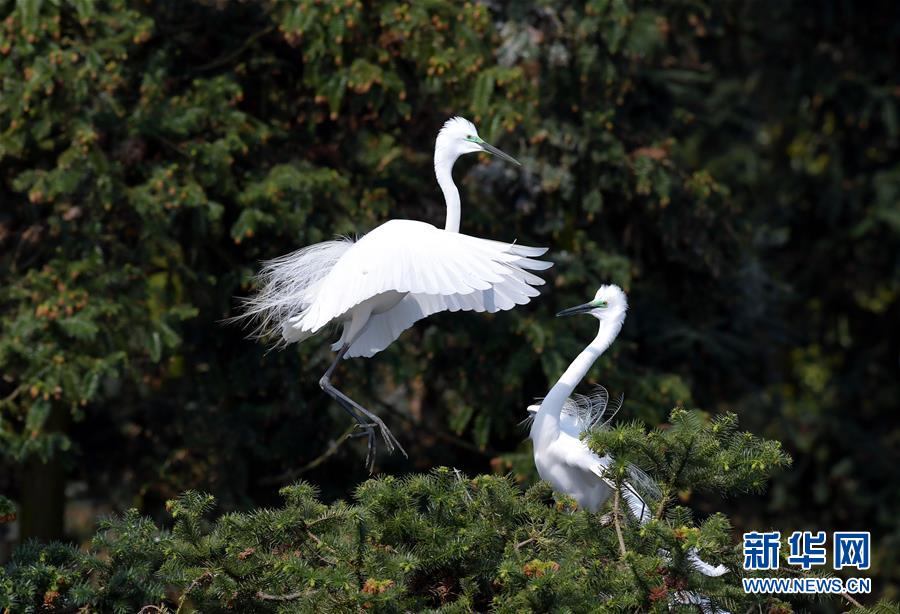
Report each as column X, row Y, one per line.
column 438, row 541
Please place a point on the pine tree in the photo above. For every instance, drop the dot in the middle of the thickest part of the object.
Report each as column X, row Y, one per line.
column 439, row 541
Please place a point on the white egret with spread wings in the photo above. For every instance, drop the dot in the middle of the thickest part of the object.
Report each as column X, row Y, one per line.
column 402, row 271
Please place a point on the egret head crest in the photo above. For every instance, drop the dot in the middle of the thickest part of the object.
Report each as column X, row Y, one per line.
column 611, row 297
column 458, row 128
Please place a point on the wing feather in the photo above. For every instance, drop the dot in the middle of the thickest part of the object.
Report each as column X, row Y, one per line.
column 416, row 258
column 384, row 328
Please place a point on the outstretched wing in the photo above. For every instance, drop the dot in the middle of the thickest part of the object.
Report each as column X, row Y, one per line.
column 443, row 270
column 384, row 328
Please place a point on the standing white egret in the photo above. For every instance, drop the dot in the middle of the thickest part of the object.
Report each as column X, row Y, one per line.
column 561, row 457
column 398, row 273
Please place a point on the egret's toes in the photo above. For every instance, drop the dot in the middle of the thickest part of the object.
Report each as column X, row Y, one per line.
column 367, row 430
column 389, row 438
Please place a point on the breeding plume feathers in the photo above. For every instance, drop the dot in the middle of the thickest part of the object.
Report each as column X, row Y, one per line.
column 585, row 411
column 592, row 410
column 287, row 287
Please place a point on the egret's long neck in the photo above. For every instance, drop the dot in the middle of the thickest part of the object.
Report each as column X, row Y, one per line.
column 546, row 422
column 443, row 168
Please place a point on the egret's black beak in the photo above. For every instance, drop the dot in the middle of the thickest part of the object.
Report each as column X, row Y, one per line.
column 500, row 154
column 572, row 311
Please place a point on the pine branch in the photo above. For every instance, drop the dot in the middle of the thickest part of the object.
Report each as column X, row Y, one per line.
column 229, row 57
column 663, row 500
column 616, row 513
column 285, row 597
column 681, row 466
column 321, row 544
column 524, row 543
column 204, row 577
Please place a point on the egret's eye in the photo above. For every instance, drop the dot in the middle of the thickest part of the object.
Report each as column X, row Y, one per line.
column 599, row 303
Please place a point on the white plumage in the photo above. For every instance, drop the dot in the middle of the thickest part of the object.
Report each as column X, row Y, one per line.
column 560, row 456
column 565, row 461
column 400, row 272
column 581, row 413
column 427, row 268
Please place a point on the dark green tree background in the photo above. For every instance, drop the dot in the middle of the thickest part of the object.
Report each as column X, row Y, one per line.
column 732, row 165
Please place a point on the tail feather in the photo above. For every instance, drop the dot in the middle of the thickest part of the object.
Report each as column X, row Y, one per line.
column 287, row 286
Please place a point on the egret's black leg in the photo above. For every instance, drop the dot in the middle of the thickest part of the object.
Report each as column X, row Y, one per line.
column 355, row 409
column 367, row 428
column 389, row 438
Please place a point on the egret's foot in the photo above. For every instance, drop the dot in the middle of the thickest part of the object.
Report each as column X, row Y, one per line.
column 355, row 409
column 368, row 431
column 387, row 435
